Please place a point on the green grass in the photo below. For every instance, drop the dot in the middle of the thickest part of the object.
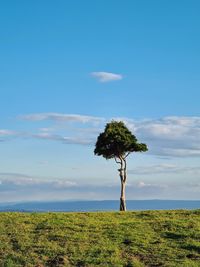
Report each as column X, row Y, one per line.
column 148, row 238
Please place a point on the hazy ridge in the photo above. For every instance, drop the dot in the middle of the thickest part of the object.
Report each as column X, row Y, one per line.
column 104, row 205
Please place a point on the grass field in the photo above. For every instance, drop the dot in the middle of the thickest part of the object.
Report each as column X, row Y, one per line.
column 147, row 238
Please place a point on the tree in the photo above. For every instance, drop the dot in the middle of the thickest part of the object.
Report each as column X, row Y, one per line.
column 118, row 142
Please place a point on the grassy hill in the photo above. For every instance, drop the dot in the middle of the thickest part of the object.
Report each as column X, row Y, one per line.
column 147, row 238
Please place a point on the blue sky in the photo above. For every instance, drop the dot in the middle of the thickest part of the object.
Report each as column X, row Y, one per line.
column 69, row 67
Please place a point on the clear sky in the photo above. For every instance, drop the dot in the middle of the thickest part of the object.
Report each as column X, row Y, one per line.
column 69, row 67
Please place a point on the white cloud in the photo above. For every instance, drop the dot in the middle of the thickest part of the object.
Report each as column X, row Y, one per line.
column 169, row 136
column 103, row 77
column 170, row 127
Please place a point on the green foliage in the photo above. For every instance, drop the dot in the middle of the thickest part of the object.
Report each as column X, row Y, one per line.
column 138, row 239
column 116, row 141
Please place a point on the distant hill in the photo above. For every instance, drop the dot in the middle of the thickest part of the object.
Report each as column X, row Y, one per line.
column 105, row 205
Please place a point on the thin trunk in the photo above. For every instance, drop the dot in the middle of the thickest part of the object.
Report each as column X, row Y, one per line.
column 122, row 174
column 122, row 198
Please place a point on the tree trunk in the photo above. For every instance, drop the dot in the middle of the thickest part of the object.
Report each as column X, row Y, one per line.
column 122, row 174
column 122, row 198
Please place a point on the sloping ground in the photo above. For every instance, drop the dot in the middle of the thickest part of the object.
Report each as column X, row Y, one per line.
column 148, row 238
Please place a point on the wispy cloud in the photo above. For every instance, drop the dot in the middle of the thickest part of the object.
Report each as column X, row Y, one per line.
column 5, row 133
column 83, row 132
column 151, row 185
column 168, row 136
column 84, row 140
column 165, row 169
column 21, row 187
column 104, row 77
column 16, row 180
column 60, row 117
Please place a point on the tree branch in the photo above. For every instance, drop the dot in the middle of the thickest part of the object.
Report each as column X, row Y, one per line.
column 127, row 155
column 117, row 161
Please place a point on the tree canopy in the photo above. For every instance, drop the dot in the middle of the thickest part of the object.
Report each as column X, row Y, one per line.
column 117, row 141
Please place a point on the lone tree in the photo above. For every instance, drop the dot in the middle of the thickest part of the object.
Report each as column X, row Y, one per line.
column 118, row 142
